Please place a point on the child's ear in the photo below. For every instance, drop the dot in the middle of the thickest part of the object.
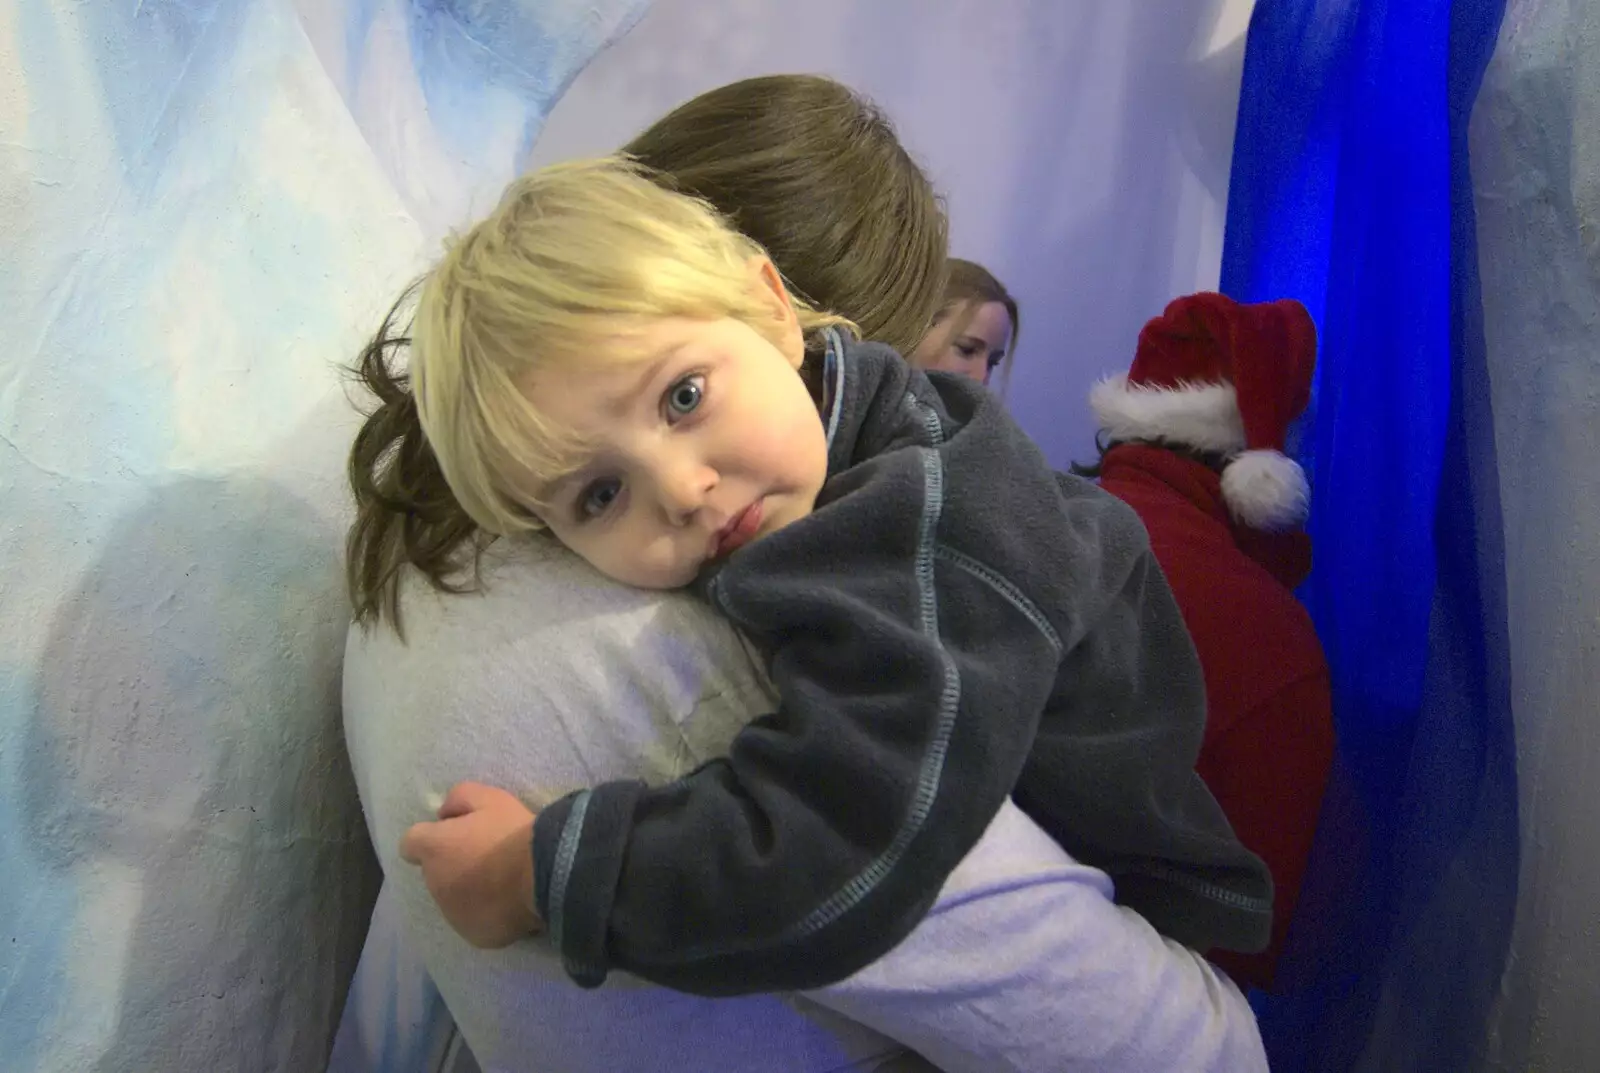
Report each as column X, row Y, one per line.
column 770, row 283
column 788, row 338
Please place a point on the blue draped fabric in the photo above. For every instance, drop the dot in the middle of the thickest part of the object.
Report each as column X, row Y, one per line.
column 1351, row 192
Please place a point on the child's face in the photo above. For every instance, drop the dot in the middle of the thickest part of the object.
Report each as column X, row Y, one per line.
column 710, row 442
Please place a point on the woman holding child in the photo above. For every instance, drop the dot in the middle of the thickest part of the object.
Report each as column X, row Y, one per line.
column 630, row 684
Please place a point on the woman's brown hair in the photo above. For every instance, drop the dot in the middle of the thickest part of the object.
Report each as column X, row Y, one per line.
column 815, row 174
column 803, row 165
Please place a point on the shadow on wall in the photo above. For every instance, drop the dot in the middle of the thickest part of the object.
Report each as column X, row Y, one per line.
column 185, row 763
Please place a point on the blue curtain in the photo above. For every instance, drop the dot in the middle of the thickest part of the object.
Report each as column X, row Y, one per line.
column 1351, row 192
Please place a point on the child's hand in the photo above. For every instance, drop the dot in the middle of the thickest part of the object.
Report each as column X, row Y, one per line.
column 477, row 861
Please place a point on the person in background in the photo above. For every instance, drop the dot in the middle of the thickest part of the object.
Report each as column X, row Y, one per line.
column 1193, row 440
column 975, row 331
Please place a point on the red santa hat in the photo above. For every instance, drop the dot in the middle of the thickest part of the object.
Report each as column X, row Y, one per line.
column 1219, row 376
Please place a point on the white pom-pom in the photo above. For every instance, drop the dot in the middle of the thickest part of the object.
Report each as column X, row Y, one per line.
column 1266, row 490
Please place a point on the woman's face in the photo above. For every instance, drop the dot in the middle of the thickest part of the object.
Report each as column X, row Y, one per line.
column 968, row 340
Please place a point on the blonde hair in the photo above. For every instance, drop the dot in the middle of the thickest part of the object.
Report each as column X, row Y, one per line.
column 574, row 258
column 806, row 166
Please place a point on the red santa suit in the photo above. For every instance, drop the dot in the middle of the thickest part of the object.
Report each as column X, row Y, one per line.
column 1226, row 380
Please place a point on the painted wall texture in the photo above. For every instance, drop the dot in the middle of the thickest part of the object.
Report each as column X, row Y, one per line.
column 204, row 207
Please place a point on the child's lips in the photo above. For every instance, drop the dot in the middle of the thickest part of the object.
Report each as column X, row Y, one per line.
column 739, row 531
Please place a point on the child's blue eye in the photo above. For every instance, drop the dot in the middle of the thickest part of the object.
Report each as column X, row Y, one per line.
column 598, row 497
column 684, row 397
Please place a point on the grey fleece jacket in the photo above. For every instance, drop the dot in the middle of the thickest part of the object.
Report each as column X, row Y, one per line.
column 954, row 623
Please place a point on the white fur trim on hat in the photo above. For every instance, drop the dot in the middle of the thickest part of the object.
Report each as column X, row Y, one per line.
column 1202, row 416
column 1266, row 490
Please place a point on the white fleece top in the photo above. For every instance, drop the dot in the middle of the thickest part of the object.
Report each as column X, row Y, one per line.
column 553, row 678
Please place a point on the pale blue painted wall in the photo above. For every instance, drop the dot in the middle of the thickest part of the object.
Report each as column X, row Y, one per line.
column 204, row 206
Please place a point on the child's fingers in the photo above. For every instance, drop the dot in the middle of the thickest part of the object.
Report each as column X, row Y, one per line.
column 464, row 797
column 415, row 842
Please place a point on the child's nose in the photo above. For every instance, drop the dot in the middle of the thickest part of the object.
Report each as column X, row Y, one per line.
column 684, row 489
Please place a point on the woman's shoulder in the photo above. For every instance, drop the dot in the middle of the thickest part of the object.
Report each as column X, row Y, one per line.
column 536, row 615
column 522, row 588
column 547, row 674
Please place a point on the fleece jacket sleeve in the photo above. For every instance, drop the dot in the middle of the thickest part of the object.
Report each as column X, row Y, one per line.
column 911, row 686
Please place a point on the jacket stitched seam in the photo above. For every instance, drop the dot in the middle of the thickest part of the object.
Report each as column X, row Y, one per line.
column 1005, row 589
column 566, row 857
